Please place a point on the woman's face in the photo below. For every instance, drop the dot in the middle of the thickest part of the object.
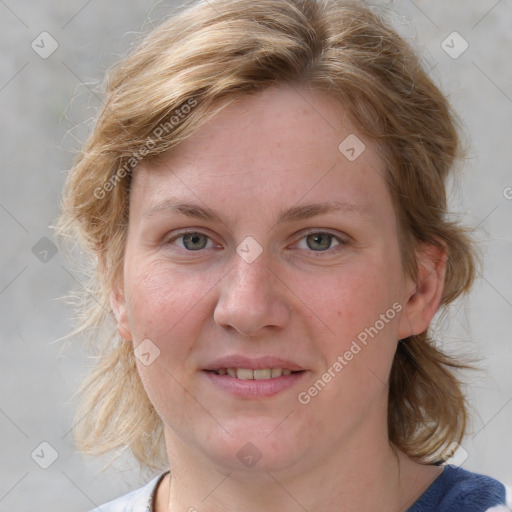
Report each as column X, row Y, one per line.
column 263, row 283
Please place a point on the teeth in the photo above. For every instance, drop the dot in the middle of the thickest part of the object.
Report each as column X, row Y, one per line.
column 245, row 374
column 248, row 374
column 262, row 374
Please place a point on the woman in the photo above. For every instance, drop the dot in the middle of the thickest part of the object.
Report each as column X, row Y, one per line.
column 264, row 197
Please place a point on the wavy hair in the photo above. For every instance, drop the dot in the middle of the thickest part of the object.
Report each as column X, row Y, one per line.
column 181, row 74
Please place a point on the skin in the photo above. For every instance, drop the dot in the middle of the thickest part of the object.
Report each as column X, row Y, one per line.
column 260, row 155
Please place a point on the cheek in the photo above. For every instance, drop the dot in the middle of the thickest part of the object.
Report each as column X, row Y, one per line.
column 162, row 300
column 358, row 353
column 361, row 306
column 354, row 297
column 166, row 307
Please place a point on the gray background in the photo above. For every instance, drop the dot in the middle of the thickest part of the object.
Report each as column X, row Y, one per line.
column 47, row 105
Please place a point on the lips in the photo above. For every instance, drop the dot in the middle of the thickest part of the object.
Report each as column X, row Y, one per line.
column 254, row 384
column 254, row 378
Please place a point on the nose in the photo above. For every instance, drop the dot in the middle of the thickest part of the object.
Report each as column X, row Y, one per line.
column 252, row 299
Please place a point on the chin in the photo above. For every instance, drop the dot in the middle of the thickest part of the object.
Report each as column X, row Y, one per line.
column 255, row 446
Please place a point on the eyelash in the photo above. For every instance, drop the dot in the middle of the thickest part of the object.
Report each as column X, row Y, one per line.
column 340, row 241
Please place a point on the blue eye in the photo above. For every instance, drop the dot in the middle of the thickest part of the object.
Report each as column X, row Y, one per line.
column 192, row 241
column 320, row 241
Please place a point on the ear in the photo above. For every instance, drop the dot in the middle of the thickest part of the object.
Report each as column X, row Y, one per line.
column 118, row 306
column 423, row 299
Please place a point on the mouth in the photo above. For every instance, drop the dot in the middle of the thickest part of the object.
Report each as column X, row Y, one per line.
column 259, row 374
column 254, row 378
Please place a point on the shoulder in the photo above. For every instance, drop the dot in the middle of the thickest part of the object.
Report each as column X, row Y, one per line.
column 459, row 490
column 140, row 500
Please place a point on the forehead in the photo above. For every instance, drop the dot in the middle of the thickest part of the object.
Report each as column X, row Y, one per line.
column 281, row 145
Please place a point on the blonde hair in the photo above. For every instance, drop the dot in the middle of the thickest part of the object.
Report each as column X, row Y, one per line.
column 177, row 79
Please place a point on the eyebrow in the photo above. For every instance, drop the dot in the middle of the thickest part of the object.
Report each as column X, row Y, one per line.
column 293, row 214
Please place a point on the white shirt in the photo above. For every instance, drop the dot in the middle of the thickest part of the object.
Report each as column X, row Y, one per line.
column 140, row 500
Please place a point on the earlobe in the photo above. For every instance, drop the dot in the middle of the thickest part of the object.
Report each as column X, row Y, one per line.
column 423, row 300
column 118, row 306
